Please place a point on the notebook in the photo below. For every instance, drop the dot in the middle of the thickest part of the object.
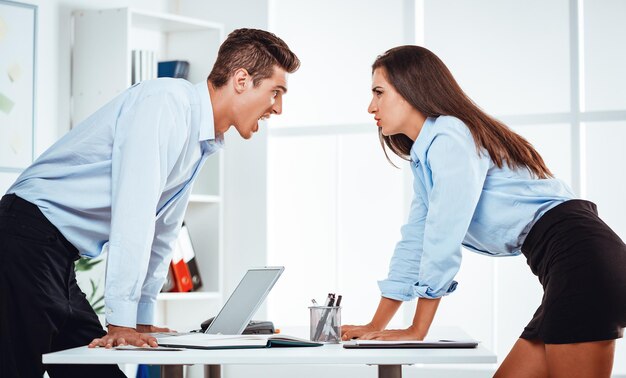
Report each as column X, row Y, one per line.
column 378, row 344
column 208, row 341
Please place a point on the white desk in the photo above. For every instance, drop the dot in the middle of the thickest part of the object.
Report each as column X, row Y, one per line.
column 389, row 361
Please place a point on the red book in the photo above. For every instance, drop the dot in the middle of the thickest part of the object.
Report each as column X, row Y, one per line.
column 180, row 271
column 186, row 247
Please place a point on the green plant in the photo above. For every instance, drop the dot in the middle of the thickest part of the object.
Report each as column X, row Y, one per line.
column 84, row 265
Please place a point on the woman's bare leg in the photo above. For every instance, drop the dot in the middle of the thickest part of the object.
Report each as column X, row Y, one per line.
column 526, row 359
column 590, row 359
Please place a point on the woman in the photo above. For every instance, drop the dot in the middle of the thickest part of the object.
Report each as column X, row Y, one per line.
column 480, row 185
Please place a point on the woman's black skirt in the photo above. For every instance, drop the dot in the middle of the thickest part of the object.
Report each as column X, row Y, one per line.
column 581, row 264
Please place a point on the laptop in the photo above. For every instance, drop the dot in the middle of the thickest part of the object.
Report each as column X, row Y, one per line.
column 242, row 304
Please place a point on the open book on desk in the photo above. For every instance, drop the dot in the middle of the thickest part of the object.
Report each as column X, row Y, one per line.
column 378, row 344
column 208, row 341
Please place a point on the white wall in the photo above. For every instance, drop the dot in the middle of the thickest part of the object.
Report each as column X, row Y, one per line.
column 329, row 183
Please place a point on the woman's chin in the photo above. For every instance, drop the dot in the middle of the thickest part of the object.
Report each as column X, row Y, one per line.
column 388, row 133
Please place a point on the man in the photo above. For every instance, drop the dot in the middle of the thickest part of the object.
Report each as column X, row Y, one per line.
column 120, row 181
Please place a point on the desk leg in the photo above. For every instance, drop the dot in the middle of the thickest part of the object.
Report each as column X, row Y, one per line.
column 171, row 371
column 212, row 371
column 389, row 371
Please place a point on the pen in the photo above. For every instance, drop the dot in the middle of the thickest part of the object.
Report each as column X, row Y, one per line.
column 328, row 328
column 320, row 325
column 333, row 325
column 328, row 299
column 332, row 301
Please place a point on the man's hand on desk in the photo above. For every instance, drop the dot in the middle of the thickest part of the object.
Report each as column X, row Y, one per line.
column 144, row 328
column 128, row 336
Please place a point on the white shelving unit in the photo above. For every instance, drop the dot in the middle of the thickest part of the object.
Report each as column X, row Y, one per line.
column 104, row 39
column 101, row 69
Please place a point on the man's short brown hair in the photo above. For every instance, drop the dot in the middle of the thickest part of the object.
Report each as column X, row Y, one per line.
column 257, row 51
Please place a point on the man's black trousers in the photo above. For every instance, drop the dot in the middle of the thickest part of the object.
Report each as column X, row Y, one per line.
column 41, row 307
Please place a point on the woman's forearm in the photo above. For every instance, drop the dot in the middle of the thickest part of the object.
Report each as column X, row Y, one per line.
column 385, row 311
column 424, row 315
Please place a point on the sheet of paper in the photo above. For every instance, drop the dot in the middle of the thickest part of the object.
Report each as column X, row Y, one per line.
column 206, row 340
column 6, row 104
column 14, row 72
column 149, row 349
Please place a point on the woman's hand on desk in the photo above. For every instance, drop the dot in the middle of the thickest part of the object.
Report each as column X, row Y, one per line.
column 393, row 334
column 123, row 336
column 349, row 332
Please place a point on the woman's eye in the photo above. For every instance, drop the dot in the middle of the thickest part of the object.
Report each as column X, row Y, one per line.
column 378, row 93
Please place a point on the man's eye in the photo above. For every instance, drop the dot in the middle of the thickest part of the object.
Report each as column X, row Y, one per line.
column 275, row 93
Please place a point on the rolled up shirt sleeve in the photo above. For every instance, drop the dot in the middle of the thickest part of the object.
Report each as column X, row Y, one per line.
column 139, row 171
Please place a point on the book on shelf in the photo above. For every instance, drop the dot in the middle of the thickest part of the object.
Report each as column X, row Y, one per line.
column 143, row 65
column 209, row 341
column 174, row 68
column 180, row 270
column 183, row 274
column 168, row 285
column 189, row 256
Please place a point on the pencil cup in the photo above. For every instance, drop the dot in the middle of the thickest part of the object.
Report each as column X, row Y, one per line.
column 325, row 324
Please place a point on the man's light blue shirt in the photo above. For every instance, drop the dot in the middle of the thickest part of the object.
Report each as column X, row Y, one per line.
column 461, row 198
column 120, row 181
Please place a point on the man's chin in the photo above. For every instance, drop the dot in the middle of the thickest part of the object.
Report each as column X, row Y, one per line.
column 247, row 133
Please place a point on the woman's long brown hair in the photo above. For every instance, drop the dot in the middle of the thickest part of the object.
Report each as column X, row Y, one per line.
column 425, row 82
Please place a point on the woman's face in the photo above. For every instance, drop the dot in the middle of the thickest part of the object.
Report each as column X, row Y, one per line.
column 393, row 114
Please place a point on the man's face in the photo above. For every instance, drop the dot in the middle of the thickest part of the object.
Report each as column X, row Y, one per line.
column 260, row 102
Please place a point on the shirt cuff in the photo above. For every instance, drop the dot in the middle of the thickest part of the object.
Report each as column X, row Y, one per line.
column 120, row 313
column 145, row 313
column 423, row 291
column 399, row 291
column 402, row 291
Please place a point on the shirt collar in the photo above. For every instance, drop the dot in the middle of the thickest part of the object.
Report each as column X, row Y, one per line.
column 421, row 144
column 207, row 124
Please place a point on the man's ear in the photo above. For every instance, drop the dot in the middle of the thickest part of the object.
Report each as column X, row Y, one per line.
column 241, row 77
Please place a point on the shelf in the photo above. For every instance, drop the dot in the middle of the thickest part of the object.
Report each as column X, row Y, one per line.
column 192, row 296
column 170, row 23
column 204, row 198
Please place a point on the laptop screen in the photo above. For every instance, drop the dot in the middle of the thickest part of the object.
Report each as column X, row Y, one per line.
column 244, row 301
